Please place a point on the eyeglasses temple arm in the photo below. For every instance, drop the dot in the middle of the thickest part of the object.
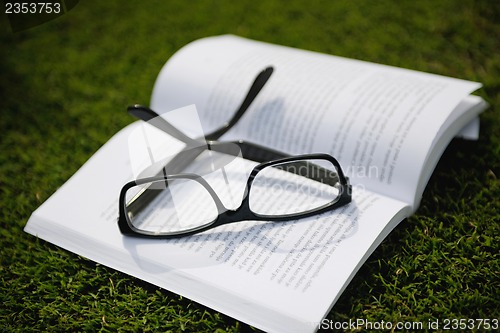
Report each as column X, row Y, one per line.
column 196, row 147
column 258, row 153
column 251, row 151
column 254, row 90
column 146, row 114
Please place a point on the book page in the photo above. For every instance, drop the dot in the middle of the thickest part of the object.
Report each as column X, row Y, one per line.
column 276, row 276
column 380, row 122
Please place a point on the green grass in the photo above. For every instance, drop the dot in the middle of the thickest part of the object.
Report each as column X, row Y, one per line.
column 65, row 86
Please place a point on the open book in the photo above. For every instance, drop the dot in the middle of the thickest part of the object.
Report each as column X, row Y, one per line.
column 386, row 126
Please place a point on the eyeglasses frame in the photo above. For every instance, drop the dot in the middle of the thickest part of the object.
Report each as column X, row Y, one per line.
column 243, row 212
column 251, row 151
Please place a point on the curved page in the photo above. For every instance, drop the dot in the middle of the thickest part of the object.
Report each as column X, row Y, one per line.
column 380, row 122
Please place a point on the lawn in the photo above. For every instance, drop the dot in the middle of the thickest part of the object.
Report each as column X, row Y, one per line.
column 65, row 85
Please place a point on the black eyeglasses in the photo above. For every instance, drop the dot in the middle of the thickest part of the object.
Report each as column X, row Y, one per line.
column 280, row 188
